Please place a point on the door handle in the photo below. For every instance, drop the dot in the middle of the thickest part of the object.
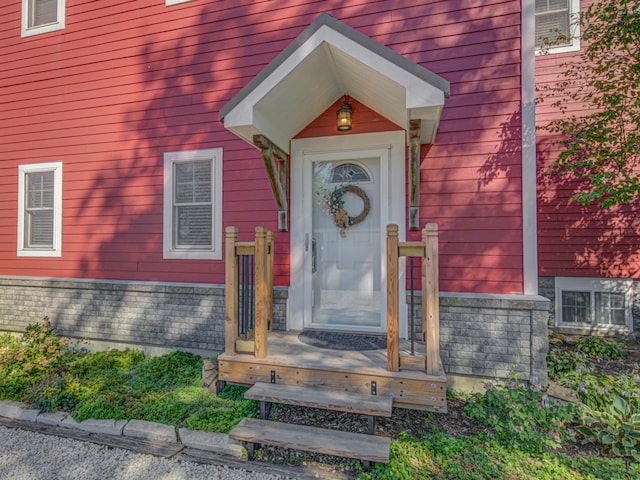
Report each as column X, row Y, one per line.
column 306, row 242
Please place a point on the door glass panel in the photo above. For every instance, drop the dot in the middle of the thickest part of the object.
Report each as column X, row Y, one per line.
column 346, row 245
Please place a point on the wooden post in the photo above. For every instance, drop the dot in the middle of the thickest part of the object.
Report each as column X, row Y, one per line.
column 414, row 175
column 231, row 291
column 430, row 299
column 393, row 342
column 270, row 255
column 262, row 297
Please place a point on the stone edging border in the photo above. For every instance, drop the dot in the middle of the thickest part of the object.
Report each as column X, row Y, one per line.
column 217, row 443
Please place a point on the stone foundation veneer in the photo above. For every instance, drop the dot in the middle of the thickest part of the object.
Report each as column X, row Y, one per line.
column 493, row 335
column 481, row 335
column 141, row 314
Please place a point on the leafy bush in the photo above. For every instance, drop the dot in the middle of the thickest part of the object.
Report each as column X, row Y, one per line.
column 561, row 362
column 23, row 363
column 601, row 348
column 617, row 429
column 523, row 416
column 598, row 389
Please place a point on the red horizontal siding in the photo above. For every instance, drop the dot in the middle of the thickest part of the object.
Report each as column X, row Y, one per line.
column 576, row 240
column 125, row 82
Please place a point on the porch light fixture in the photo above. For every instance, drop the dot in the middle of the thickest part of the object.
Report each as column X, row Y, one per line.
column 344, row 116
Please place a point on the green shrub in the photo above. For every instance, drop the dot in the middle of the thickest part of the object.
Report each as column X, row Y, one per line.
column 616, row 429
column 598, row 389
column 23, row 363
column 560, row 362
column 522, row 416
column 601, row 348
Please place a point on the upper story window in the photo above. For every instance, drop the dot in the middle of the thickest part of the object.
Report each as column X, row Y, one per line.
column 193, row 204
column 40, row 210
column 557, row 25
column 41, row 16
column 594, row 303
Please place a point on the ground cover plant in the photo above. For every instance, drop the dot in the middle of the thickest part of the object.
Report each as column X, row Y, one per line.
column 511, row 430
column 40, row 369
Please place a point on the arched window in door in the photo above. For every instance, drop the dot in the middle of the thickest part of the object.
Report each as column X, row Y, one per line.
column 349, row 173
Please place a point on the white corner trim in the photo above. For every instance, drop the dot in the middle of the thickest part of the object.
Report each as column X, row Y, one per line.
column 528, row 111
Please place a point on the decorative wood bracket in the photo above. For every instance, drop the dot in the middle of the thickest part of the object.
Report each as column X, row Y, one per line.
column 277, row 174
column 414, row 175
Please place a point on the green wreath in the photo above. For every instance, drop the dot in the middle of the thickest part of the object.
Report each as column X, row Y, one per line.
column 334, row 203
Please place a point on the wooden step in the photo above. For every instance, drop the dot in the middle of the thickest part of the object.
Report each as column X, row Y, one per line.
column 377, row 405
column 313, row 439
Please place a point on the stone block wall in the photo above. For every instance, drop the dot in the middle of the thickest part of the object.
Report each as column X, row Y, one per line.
column 181, row 316
column 492, row 335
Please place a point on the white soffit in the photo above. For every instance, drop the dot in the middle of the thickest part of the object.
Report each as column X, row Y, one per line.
column 328, row 60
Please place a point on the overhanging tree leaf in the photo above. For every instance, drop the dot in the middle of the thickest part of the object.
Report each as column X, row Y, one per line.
column 601, row 141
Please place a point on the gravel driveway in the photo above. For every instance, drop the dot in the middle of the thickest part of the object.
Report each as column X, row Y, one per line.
column 26, row 455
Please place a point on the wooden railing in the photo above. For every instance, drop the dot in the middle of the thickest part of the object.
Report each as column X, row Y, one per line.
column 428, row 251
column 262, row 250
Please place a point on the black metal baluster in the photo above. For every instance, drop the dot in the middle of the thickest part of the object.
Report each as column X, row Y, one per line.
column 412, row 315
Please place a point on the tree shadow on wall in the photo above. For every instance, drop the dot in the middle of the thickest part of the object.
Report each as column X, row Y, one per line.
column 573, row 240
column 578, row 240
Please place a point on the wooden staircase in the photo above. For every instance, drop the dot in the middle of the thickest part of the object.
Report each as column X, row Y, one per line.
column 368, row 448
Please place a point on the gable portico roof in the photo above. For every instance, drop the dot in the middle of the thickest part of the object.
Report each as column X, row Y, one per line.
column 326, row 61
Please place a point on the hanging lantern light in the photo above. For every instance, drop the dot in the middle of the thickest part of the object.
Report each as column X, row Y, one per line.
column 344, row 116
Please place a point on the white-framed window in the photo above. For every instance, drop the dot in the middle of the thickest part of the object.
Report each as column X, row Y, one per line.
column 193, row 204
column 40, row 210
column 42, row 16
column 557, row 26
column 175, row 2
column 601, row 303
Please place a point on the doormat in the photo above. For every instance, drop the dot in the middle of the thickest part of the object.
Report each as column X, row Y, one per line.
column 343, row 341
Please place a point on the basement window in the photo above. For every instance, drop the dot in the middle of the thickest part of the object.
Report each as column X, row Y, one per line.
column 42, row 16
column 600, row 303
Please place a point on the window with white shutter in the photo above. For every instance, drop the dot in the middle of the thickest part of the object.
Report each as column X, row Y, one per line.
column 42, row 16
column 193, row 204
column 40, row 210
column 557, row 25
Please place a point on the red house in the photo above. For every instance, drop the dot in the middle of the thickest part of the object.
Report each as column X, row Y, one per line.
column 134, row 133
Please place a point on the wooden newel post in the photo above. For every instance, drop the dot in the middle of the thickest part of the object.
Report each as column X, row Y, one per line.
column 262, row 296
column 393, row 342
column 231, row 291
column 430, row 299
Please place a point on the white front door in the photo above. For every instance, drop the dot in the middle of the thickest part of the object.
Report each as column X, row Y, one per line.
column 346, row 244
column 344, row 191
